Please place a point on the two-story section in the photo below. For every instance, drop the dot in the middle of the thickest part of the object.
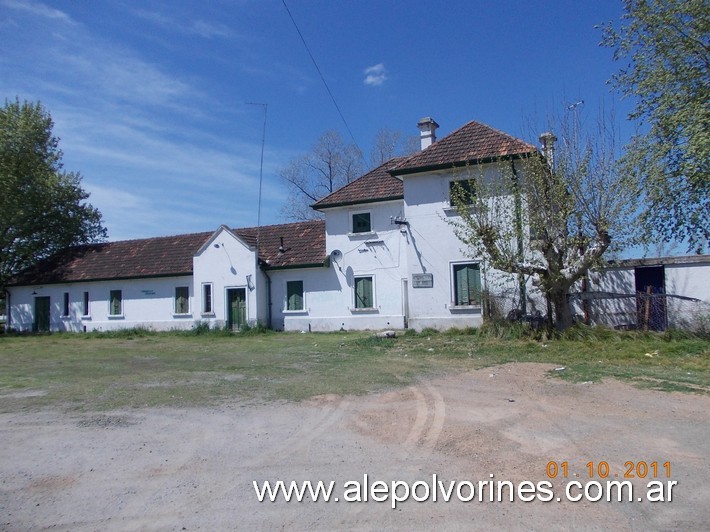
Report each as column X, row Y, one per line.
column 366, row 241
column 447, row 283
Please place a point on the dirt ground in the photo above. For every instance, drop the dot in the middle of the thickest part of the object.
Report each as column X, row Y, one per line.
column 192, row 469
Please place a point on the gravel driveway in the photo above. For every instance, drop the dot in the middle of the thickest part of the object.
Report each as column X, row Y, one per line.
column 194, row 469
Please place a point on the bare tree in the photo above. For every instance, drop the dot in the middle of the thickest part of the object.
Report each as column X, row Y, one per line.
column 329, row 165
column 389, row 143
column 548, row 219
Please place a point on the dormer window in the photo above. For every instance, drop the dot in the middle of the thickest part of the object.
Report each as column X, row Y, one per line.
column 361, row 222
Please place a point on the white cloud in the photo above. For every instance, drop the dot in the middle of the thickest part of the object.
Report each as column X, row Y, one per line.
column 37, row 9
column 208, row 30
column 375, row 75
column 205, row 29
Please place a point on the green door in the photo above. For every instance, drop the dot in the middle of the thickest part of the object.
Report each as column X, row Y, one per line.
column 236, row 308
column 41, row 323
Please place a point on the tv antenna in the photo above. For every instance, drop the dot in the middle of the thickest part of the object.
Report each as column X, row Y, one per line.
column 261, row 174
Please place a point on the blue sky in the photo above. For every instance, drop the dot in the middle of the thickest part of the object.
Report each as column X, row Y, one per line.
column 149, row 98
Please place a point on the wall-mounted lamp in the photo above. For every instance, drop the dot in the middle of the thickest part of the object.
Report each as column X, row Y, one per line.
column 250, row 284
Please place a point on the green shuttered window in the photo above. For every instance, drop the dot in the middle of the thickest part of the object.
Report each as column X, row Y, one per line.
column 467, row 284
column 363, row 293
column 294, row 295
column 361, row 222
column 116, row 303
column 182, row 300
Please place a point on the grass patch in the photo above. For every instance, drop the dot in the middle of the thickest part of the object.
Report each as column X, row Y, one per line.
column 139, row 368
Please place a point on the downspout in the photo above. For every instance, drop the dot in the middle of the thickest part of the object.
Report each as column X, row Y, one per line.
column 8, row 316
column 519, row 235
column 268, row 295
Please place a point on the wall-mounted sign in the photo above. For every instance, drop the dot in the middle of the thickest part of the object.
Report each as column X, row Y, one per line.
column 422, row 280
column 148, row 292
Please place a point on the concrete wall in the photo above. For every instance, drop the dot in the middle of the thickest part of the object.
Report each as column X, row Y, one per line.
column 687, row 280
column 434, row 248
column 329, row 292
column 146, row 303
column 226, row 262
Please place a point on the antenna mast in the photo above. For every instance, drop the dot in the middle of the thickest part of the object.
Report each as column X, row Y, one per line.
column 261, row 175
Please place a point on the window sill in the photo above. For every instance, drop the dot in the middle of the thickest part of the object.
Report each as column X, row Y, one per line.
column 208, row 315
column 364, row 310
column 116, row 317
column 86, row 317
column 453, row 211
column 464, row 307
column 364, row 235
column 291, row 312
column 64, row 317
column 182, row 315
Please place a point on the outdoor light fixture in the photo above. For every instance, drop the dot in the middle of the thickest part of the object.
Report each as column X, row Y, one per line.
column 249, row 283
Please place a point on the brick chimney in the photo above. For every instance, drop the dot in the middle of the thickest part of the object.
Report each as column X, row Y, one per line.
column 427, row 127
column 547, row 140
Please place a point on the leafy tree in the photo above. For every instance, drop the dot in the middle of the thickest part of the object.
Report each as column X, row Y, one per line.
column 42, row 207
column 549, row 219
column 666, row 47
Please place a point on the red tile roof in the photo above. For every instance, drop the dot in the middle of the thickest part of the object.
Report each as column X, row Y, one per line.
column 376, row 185
column 473, row 142
column 304, row 244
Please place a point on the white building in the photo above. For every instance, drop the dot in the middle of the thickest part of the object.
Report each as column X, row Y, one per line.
column 652, row 293
column 384, row 257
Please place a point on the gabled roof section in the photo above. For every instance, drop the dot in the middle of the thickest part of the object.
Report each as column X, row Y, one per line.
column 472, row 143
column 303, row 244
column 376, row 185
column 221, row 230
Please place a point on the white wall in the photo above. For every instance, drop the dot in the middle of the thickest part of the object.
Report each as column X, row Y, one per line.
column 688, row 280
column 227, row 262
column 146, row 303
column 329, row 292
column 434, row 248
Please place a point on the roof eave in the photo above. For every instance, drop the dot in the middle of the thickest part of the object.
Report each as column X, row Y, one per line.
column 458, row 164
column 296, row 266
column 100, row 279
column 317, row 207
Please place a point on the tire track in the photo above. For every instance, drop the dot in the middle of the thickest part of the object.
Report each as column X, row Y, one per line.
column 429, row 420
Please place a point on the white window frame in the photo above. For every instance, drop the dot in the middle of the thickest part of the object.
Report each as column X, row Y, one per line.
column 451, row 185
column 66, row 305
column 354, row 307
column 120, row 312
column 351, row 222
column 85, row 304
column 175, row 301
column 286, row 310
column 452, row 273
column 204, row 311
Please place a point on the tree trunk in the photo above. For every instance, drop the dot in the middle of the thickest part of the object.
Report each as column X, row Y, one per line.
column 563, row 310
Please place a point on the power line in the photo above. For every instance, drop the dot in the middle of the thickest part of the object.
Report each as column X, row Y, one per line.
column 327, row 88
